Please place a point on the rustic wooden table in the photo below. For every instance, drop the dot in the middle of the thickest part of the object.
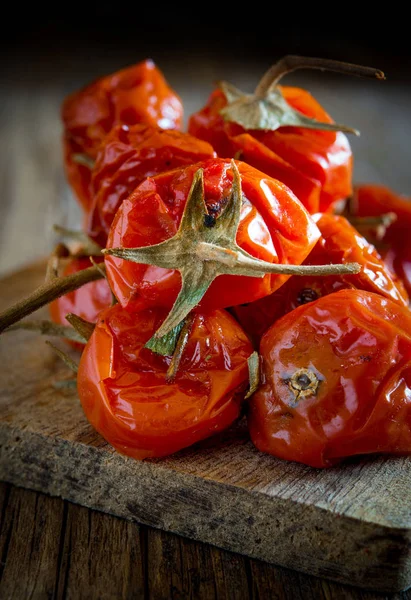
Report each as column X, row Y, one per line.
column 50, row 548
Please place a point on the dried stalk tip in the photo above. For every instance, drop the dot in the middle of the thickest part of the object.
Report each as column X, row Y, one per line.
column 88, row 246
column 69, row 362
column 84, row 160
column 253, row 374
column 46, row 293
column 53, row 263
column 179, row 349
column 267, row 109
column 82, row 327
column 65, row 384
column 49, row 328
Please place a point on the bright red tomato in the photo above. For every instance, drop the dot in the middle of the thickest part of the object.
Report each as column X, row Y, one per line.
column 336, row 381
column 340, row 242
column 129, row 155
column 125, row 395
column 136, row 94
column 316, row 165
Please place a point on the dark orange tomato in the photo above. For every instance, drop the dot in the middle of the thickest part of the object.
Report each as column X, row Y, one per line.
column 371, row 200
column 336, row 381
column 274, row 226
column 129, row 155
column 136, row 94
column 316, row 165
column 340, row 242
column 86, row 302
column 125, row 395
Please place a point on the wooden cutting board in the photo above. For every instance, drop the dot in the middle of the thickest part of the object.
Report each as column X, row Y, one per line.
column 350, row 523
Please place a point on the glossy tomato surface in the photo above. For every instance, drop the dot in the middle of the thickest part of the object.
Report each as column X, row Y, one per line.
column 340, row 242
column 86, row 302
column 125, row 394
column 371, row 200
column 316, row 165
column 336, row 381
column 136, row 94
column 274, row 226
column 128, row 155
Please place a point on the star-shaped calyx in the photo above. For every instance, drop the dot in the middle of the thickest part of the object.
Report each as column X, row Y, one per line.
column 267, row 109
column 203, row 248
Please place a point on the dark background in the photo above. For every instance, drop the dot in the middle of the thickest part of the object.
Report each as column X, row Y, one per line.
column 247, row 32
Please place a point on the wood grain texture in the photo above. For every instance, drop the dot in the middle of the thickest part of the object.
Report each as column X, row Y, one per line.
column 79, row 553
column 350, row 523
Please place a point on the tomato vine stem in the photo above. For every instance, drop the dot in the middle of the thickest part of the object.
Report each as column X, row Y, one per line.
column 48, row 292
column 202, row 253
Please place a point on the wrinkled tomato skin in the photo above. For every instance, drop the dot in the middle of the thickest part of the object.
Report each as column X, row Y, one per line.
column 340, row 242
column 124, row 393
column 86, row 302
column 358, row 344
column 274, row 226
column 129, row 155
column 371, row 200
column 136, row 94
column 316, row 165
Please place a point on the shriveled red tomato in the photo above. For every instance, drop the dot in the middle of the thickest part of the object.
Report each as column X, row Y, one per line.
column 86, row 302
column 136, row 94
column 125, row 394
column 129, row 155
column 316, row 165
column 394, row 244
column 336, row 381
column 274, row 227
column 340, row 242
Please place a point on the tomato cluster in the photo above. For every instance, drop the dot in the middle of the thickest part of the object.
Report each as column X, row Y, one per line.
column 223, row 243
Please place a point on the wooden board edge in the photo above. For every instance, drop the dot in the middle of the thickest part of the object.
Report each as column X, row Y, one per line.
column 283, row 532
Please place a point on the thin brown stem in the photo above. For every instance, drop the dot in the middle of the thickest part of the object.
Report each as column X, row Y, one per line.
column 385, row 220
column 288, row 64
column 88, row 246
column 180, row 347
column 69, row 362
column 48, row 328
column 47, row 293
column 104, row 273
column 65, row 384
column 84, row 160
column 81, row 326
column 53, row 264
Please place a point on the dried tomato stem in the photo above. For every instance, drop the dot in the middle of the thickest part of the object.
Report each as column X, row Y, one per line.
column 385, row 220
column 253, row 374
column 179, row 350
column 69, row 362
column 53, row 264
column 48, row 328
column 201, row 253
column 288, row 64
column 241, row 264
column 84, row 160
column 47, row 293
column 82, row 327
column 88, row 246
